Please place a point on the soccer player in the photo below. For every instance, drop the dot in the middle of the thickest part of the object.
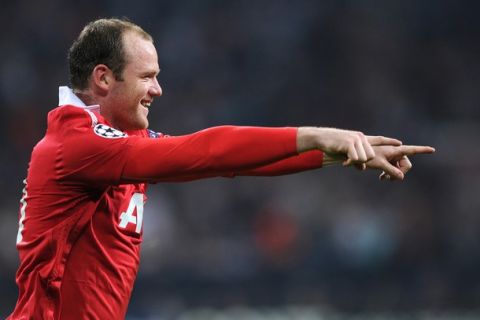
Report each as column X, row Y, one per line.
column 81, row 212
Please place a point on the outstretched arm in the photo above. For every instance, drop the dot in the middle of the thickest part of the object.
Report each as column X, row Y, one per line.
column 217, row 151
column 230, row 151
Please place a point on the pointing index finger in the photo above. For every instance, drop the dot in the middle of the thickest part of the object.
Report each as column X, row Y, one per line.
column 412, row 150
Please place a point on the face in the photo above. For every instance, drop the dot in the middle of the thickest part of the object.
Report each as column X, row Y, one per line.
column 129, row 99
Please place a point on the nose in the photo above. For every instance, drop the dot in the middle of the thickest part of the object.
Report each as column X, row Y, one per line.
column 155, row 89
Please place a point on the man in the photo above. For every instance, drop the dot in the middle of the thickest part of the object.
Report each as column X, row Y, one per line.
column 81, row 212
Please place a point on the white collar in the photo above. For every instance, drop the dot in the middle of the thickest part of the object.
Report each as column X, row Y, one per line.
column 66, row 96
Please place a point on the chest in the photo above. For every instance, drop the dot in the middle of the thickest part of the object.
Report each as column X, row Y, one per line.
column 121, row 211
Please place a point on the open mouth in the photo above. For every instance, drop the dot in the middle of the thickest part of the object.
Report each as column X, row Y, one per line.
column 146, row 103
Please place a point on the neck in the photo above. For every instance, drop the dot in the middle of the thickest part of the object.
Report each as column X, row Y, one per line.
column 85, row 96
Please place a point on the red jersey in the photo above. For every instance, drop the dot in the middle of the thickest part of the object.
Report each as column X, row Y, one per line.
column 81, row 213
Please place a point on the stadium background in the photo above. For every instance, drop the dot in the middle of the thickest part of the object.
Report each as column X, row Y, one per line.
column 328, row 244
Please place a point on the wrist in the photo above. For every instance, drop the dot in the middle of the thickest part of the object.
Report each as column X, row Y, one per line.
column 306, row 139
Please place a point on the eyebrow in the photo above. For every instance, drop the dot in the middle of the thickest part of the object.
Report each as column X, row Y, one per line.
column 150, row 73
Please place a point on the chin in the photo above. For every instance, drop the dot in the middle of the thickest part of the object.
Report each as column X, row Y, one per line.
column 142, row 124
column 135, row 124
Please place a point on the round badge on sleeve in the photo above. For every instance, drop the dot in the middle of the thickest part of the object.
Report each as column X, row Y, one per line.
column 105, row 131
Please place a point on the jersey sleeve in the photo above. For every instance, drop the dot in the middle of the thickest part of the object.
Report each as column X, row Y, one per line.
column 305, row 161
column 217, row 151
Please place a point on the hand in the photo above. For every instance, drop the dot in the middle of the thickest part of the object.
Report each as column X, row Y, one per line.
column 350, row 147
column 393, row 160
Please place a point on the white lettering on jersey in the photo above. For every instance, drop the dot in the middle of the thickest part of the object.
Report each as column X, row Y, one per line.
column 136, row 202
column 23, row 206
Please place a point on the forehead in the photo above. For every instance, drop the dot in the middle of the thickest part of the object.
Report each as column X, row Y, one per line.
column 140, row 53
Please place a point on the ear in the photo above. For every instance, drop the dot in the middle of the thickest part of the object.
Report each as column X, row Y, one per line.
column 102, row 77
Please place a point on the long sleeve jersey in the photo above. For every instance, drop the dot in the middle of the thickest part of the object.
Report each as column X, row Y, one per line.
column 81, row 213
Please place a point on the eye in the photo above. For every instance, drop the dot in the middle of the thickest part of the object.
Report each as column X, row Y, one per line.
column 149, row 75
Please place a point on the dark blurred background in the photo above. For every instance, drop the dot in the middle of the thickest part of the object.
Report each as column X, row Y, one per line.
column 335, row 239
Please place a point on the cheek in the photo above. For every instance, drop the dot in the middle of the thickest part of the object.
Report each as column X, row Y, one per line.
column 139, row 91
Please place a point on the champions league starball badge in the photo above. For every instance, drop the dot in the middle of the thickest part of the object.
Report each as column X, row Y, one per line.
column 105, row 131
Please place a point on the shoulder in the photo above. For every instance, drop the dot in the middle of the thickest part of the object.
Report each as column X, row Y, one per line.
column 69, row 119
column 68, row 115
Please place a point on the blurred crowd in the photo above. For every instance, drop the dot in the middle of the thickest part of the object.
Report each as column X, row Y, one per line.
column 334, row 237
